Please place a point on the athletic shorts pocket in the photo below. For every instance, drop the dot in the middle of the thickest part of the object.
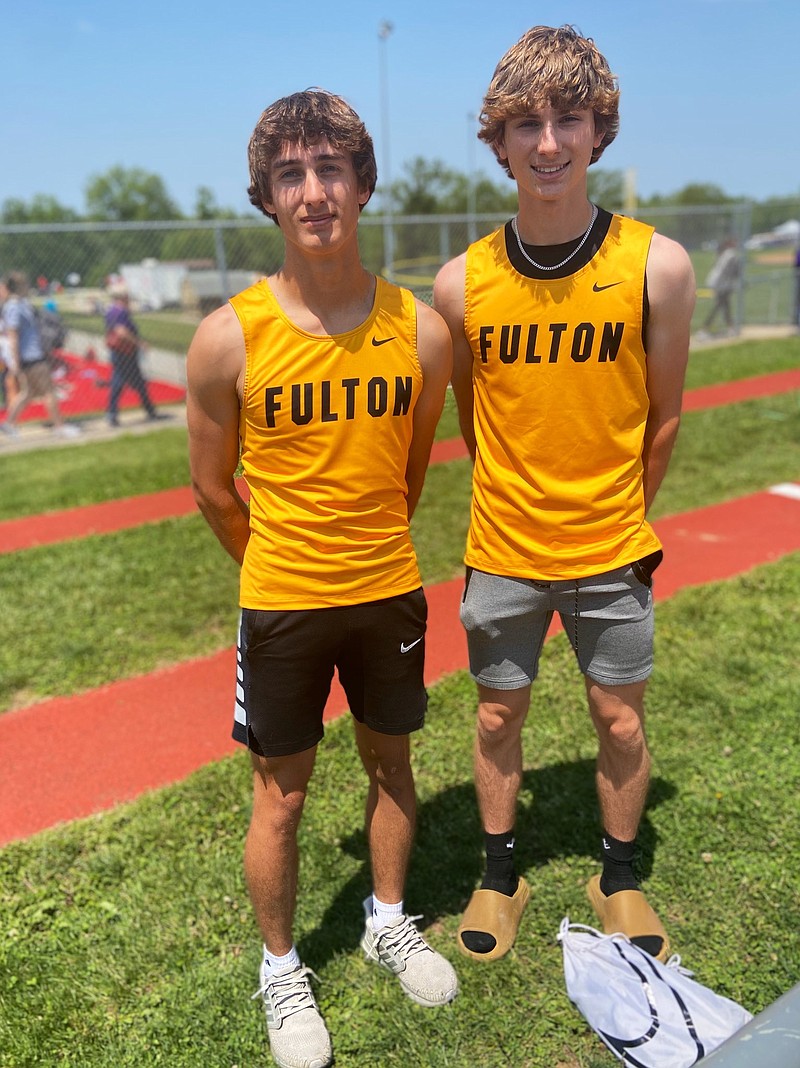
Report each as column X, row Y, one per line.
column 643, row 569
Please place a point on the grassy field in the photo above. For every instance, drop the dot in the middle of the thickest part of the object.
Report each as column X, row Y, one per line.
column 127, row 938
column 135, row 600
column 768, row 298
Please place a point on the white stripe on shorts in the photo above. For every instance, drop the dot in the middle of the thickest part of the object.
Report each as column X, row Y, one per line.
column 239, row 712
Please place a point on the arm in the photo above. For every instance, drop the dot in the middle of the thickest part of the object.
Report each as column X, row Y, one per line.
column 671, row 289
column 11, row 324
column 448, row 299
column 435, row 357
column 13, row 348
column 214, row 370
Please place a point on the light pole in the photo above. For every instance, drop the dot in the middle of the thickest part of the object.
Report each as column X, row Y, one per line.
column 385, row 30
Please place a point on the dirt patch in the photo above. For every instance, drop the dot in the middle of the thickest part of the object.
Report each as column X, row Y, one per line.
column 780, row 257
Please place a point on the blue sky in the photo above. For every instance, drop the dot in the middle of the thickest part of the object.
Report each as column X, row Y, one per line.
column 710, row 88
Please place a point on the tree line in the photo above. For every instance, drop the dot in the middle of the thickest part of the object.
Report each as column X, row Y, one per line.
column 426, row 188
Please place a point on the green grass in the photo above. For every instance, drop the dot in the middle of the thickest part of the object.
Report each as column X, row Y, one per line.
column 128, row 939
column 163, row 330
column 54, row 479
column 141, row 598
column 131, row 464
column 124, row 604
column 728, row 363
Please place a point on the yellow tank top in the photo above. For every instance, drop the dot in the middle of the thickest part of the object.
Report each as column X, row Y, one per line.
column 560, row 380
column 325, row 429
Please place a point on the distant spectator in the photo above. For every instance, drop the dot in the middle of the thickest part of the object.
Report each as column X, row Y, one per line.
column 8, row 381
column 124, row 346
column 28, row 362
column 724, row 278
column 52, row 328
column 796, row 317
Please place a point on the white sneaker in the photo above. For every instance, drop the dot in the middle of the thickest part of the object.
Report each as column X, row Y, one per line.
column 67, row 430
column 424, row 974
column 297, row 1033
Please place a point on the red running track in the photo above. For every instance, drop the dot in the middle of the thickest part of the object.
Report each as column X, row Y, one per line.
column 25, row 533
column 74, row 756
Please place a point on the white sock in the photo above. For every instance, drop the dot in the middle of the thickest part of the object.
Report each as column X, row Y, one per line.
column 273, row 964
column 383, row 913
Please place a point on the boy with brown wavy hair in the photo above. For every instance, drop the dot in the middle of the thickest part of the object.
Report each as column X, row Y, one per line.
column 328, row 382
column 570, row 329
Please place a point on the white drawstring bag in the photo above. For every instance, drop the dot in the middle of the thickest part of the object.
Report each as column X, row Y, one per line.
column 649, row 1014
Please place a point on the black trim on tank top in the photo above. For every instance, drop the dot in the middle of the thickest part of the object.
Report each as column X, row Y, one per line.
column 549, row 254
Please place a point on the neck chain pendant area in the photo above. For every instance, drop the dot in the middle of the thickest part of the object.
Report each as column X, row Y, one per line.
column 564, row 262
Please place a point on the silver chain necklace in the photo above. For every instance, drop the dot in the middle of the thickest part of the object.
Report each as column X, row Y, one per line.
column 556, row 266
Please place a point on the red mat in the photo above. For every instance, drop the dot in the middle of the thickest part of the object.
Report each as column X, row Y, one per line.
column 83, row 384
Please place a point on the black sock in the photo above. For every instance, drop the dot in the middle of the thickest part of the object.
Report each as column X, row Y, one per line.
column 617, row 865
column 500, row 874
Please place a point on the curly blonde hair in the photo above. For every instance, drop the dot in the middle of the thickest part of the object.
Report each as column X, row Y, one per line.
column 307, row 118
column 550, row 67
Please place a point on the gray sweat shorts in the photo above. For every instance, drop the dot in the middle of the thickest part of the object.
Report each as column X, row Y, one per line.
column 608, row 619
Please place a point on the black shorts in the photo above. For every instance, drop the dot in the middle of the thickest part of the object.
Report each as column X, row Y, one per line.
column 285, row 662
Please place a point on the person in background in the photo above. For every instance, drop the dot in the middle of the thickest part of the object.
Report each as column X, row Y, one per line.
column 26, row 357
column 724, row 279
column 570, row 330
column 328, row 382
column 125, row 347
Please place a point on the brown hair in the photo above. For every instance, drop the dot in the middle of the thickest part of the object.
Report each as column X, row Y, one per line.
column 308, row 118
column 554, row 67
column 16, row 282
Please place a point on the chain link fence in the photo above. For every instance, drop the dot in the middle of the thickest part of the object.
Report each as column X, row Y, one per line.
column 177, row 272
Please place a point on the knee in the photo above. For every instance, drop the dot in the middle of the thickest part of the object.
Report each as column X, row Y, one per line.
column 622, row 731
column 279, row 812
column 627, row 733
column 498, row 724
column 392, row 775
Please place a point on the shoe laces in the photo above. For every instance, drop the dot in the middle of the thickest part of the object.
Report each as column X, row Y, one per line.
column 288, row 993
column 403, row 939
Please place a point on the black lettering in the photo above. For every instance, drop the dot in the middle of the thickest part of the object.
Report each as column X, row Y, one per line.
column 582, row 342
column 326, row 415
column 610, row 342
column 530, row 353
column 509, row 354
column 303, row 415
column 350, row 398
column 485, row 335
column 377, row 396
column 402, row 395
column 556, row 329
column 271, row 403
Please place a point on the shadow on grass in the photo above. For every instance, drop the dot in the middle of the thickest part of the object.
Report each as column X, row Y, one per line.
column 559, row 821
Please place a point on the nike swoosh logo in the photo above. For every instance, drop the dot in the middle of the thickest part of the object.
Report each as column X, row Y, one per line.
column 597, row 288
column 407, row 648
column 382, row 341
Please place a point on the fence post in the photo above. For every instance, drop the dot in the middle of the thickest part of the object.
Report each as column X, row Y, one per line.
column 222, row 265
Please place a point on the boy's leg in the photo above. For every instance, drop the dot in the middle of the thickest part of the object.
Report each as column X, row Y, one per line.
column 390, row 936
column 498, row 755
column 270, row 857
column 623, row 759
column 390, row 810
column 623, row 776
